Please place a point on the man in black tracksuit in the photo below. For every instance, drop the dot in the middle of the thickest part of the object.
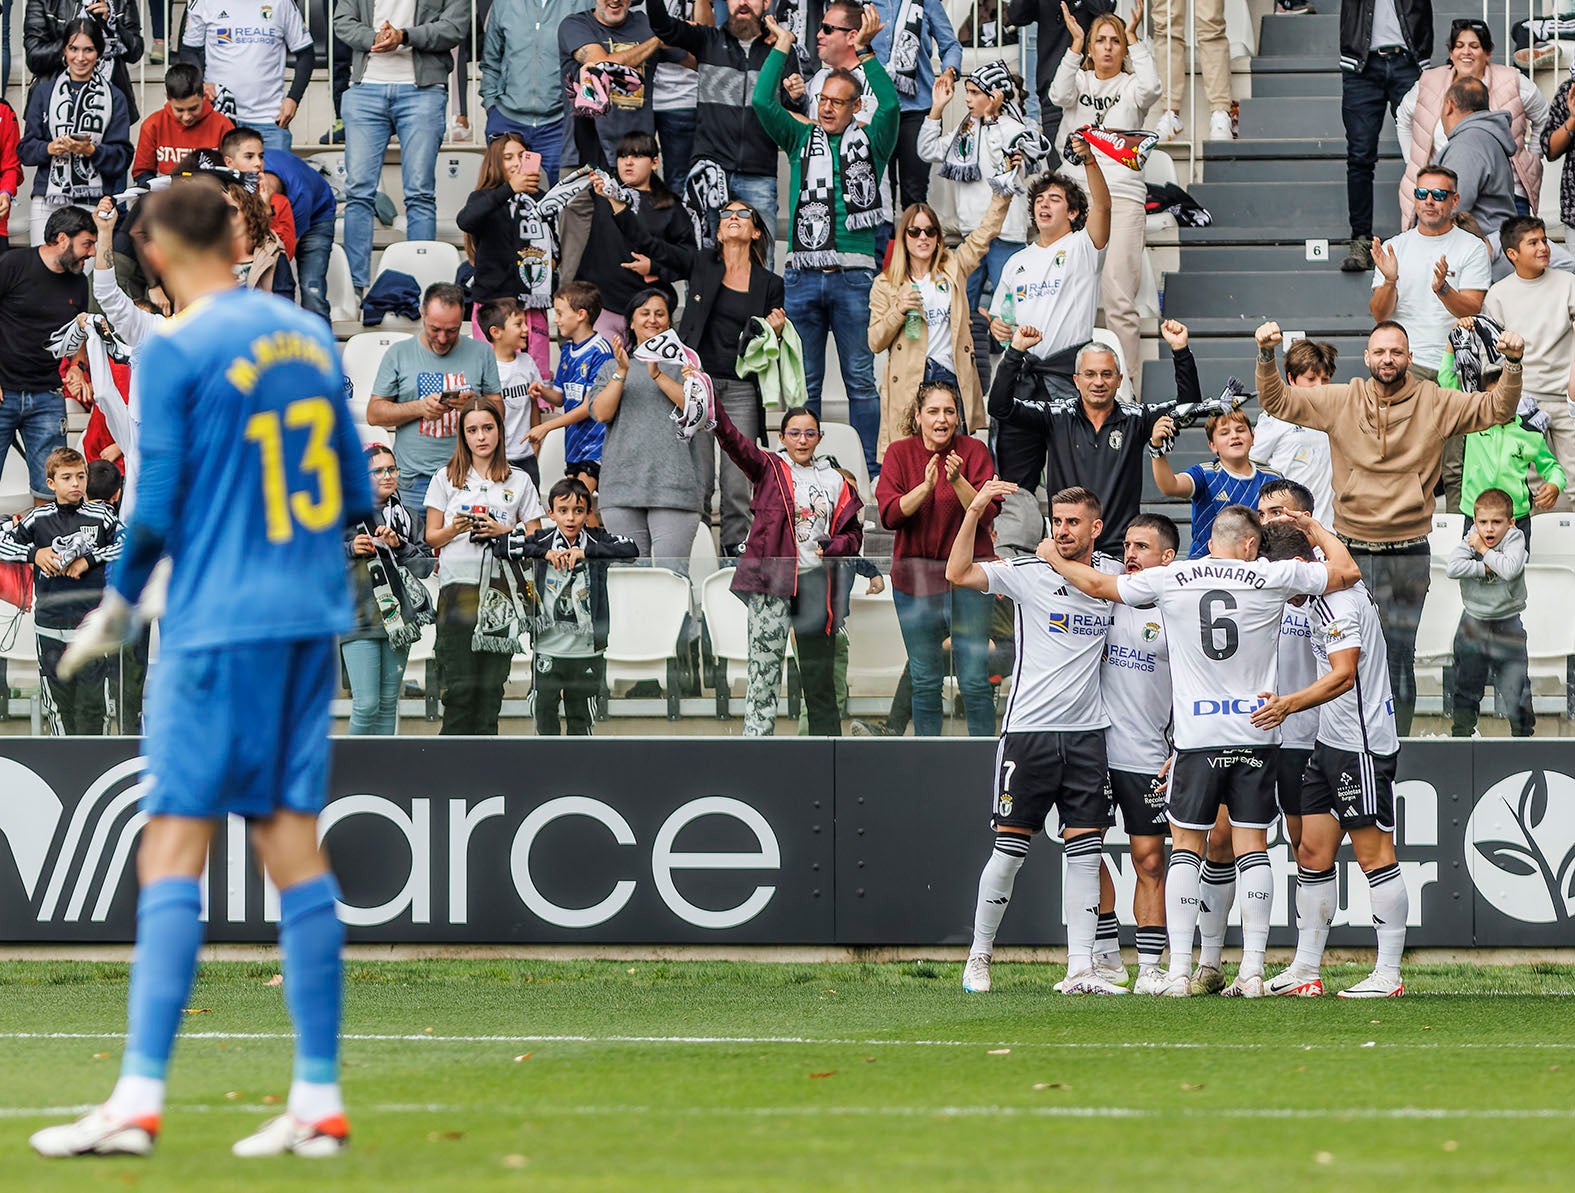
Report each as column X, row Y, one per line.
column 68, row 541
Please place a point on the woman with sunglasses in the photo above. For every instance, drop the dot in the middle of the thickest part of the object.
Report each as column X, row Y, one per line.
column 1421, row 133
column 919, row 314
column 375, row 666
column 729, row 288
column 930, row 477
column 806, row 516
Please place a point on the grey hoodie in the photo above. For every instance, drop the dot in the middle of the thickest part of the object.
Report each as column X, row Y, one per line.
column 1478, row 152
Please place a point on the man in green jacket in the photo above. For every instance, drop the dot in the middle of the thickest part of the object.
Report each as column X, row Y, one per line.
column 835, row 169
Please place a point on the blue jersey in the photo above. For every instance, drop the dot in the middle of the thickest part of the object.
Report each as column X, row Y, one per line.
column 1212, row 490
column 250, row 467
column 583, row 369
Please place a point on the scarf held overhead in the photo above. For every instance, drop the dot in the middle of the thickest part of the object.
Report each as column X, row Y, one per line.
column 906, row 47
column 814, row 243
column 1129, row 147
column 699, row 408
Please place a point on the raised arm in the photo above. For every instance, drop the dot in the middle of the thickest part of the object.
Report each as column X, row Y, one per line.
column 781, row 125
column 1306, row 406
column 1098, row 222
column 961, row 568
column 1466, row 412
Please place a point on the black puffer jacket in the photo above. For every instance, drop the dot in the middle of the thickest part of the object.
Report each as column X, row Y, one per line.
column 1356, row 30
column 44, row 39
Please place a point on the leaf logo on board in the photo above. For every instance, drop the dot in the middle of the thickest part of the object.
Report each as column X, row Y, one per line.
column 1520, row 847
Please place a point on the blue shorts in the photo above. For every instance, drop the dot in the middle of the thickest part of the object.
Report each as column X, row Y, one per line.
column 240, row 729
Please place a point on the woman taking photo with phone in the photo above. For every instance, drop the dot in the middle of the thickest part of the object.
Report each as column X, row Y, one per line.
column 477, row 498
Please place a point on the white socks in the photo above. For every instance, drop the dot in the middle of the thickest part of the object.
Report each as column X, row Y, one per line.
column 311, row 1102
column 1080, row 900
column 1181, row 907
column 1216, row 893
column 136, row 1097
column 1256, row 878
column 1391, row 906
column 1317, row 899
column 995, row 889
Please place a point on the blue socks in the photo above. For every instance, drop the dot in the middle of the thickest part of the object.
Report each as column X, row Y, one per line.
column 311, row 939
column 169, row 933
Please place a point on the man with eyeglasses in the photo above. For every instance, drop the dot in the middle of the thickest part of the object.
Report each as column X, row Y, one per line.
column 835, row 166
column 421, row 384
column 1384, row 44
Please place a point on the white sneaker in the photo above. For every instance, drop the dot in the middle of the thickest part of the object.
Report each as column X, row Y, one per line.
column 1176, row 985
column 1109, row 967
column 1219, row 127
column 1375, row 985
column 1290, row 984
column 1089, row 982
column 1151, row 980
column 96, row 1133
column 1244, row 988
column 976, row 974
column 285, row 1133
column 1169, row 126
column 1207, row 979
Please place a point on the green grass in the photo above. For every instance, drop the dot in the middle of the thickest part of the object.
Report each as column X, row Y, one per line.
column 827, row 1077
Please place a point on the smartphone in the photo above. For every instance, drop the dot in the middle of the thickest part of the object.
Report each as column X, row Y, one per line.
column 530, row 163
column 450, row 397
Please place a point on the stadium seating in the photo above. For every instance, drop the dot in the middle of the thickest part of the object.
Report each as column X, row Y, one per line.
column 725, row 636
column 549, row 460
column 19, row 665
column 363, row 353
column 1550, row 630
column 342, row 306
column 428, row 261
column 648, row 609
column 16, row 494
column 876, row 654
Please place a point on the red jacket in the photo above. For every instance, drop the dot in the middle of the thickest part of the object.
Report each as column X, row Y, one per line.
column 10, row 163
column 924, row 540
column 164, row 141
column 770, row 561
column 282, row 221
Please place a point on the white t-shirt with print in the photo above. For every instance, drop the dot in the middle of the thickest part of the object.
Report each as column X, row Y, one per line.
column 938, row 317
column 817, row 488
column 1054, row 288
column 516, row 377
column 245, row 43
column 510, row 501
column 1426, row 320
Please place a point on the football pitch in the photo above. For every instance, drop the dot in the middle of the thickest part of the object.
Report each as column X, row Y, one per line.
column 479, row 1075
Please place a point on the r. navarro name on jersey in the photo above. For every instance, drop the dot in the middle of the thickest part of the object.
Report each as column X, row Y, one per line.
column 1214, row 570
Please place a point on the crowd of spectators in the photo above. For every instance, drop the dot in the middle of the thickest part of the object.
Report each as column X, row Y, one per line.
column 628, row 196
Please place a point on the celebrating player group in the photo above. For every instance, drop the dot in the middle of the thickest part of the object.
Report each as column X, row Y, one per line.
column 1210, row 695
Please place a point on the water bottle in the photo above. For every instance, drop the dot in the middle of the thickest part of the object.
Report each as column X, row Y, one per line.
column 913, row 325
column 1008, row 314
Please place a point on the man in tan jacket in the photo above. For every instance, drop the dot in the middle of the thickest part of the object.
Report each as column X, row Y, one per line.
column 1386, row 440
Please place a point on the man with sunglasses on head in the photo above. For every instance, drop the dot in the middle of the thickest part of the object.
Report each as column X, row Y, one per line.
column 835, row 167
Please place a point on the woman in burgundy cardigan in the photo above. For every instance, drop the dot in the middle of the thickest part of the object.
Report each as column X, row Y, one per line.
column 805, row 515
column 927, row 480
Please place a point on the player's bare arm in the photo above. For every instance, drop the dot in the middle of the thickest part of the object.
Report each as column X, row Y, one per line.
column 1343, row 572
column 1340, row 679
column 1082, row 577
column 961, row 569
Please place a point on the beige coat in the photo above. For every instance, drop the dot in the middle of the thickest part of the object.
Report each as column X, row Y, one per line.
column 905, row 358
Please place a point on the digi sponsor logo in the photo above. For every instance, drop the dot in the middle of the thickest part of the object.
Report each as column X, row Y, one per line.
column 1227, row 706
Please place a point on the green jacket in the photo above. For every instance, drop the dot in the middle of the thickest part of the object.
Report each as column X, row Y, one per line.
column 1498, row 457
column 856, row 248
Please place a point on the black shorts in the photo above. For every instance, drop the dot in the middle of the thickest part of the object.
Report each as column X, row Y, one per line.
column 1038, row 771
column 1240, row 778
column 1141, row 799
column 1288, row 778
column 1357, row 789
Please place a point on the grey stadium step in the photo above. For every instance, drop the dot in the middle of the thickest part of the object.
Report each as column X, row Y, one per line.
column 1330, row 147
column 1283, row 213
column 1237, row 353
column 1321, row 302
column 1320, row 84
column 1264, row 258
column 1294, row 170
column 1288, row 117
column 1280, row 37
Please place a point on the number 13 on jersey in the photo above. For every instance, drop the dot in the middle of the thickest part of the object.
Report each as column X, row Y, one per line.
column 286, row 503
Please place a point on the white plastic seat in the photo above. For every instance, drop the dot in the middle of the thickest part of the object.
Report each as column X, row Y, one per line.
column 647, row 608
column 342, row 306
column 1445, row 536
column 1553, row 538
column 455, row 178
column 727, row 634
column 550, row 461
column 1550, row 630
column 703, row 560
column 19, row 653
column 428, row 261
column 16, row 494
column 1435, row 635
column 876, row 653
column 363, row 353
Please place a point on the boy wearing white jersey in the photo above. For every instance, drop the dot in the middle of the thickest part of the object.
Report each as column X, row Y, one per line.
column 1222, row 615
column 1217, row 886
column 1348, row 789
column 1052, row 750
column 1135, row 683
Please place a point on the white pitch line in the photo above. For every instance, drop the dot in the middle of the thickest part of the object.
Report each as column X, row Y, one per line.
column 812, row 1042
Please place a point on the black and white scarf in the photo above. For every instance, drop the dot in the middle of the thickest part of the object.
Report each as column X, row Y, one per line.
column 705, row 191
column 1476, row 353
column 814, row 221
column 535, row 249
column 403, row 602
column 793, row 15
column 114, row 43
column 72, row 335
column 503, row 605
column 78, row 110
column 571, row 607
column 906, row 47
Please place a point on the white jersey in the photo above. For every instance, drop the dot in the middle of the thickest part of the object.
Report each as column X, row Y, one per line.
column 1060, row 643
column 1054, row 288
column 1362, row 720
column 1298, row 669
column 1135, row 683
column 1222, row 618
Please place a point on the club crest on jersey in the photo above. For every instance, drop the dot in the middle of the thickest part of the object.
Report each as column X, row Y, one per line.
column 1116, row 437
column 1150, row 631
column 1003, row 804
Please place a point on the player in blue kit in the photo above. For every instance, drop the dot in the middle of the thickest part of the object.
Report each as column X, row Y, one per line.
column 250, row 469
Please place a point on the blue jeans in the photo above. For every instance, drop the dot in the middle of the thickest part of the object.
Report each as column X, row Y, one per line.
column 5, row 45
column 935, row 372
column 925, row 622
column 41, row 417
column 760, row 192
column 675, row 131
column 994, row 261
column 376, row 671
column 274, row 137
column 545, row 139
column 1367, row 98
column 312, row 251
column 373, row 113
column 839, row 303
